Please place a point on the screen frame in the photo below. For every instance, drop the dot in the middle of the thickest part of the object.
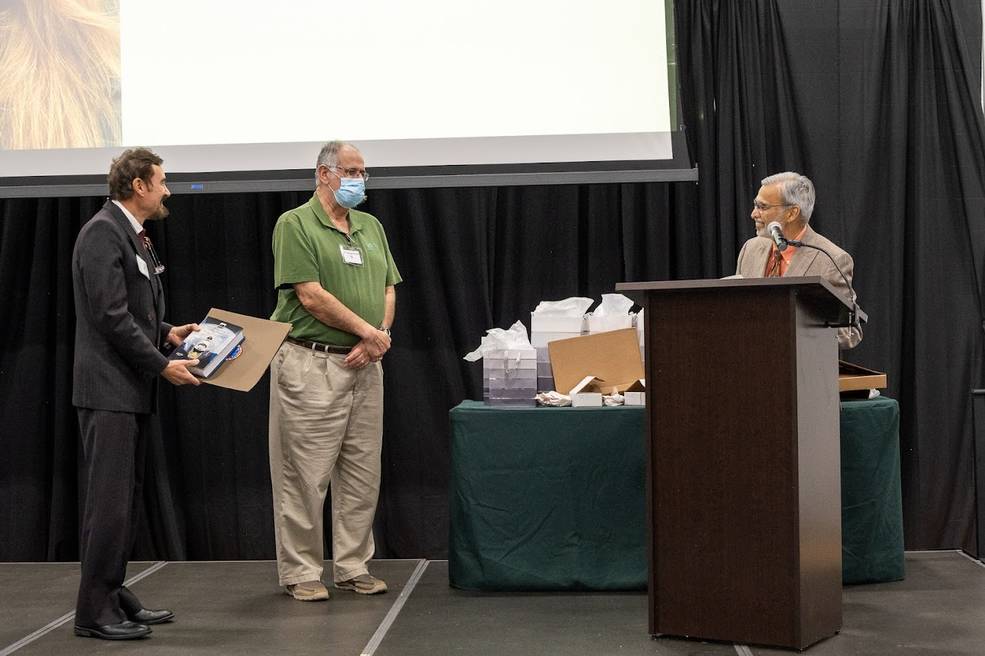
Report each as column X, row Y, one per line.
column 680, row 167
column 419, row 177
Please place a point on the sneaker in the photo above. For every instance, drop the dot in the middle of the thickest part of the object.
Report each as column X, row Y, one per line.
column 308, row 591
column 363, row 584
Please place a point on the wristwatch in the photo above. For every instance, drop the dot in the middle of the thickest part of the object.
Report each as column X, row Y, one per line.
column 386, row 330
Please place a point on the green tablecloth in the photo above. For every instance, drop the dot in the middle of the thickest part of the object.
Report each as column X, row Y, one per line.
column 871, row 502
column 553, row 498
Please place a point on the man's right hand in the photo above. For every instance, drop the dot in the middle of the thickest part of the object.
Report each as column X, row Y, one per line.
column 177, row 372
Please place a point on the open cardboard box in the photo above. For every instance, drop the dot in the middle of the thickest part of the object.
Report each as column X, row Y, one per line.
column 611, row 358
column 856, row 380
column 588, row 392
column 635, row 394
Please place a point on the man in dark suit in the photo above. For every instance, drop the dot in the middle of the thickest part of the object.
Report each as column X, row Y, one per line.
column 119, row 334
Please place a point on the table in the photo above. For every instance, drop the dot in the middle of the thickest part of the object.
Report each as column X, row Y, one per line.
column 553, row 498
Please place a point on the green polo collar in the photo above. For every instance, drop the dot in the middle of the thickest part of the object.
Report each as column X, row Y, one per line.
column 356, row 220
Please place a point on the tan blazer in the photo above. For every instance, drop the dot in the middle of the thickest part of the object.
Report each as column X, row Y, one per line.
column 805, row 262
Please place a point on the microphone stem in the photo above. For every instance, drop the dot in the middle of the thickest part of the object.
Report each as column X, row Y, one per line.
column 853, row 313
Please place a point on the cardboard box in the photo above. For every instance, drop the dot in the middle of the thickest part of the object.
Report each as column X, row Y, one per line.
column 612, row 357
column 635, row 394
column 853, row 377
column 587, row 393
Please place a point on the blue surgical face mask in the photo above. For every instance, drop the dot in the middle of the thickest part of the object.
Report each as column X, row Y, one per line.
column 351, row 192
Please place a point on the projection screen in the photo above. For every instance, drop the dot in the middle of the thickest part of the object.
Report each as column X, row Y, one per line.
column 241, row 95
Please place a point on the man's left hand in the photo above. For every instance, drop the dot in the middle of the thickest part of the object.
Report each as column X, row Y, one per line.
column 179, row 333
column 360, row 356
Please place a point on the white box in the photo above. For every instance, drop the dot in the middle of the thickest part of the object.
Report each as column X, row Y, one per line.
column 635, row 394
column 548, row 322
column 542, row 339
column 586, row 399
column 606, row 323
column 586, row 393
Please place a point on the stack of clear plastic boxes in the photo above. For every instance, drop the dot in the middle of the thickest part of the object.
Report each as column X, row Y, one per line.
column 545, row 328
column 509, row 377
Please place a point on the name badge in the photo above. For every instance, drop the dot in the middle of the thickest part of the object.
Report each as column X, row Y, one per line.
column 351, row 256
column 142, row 266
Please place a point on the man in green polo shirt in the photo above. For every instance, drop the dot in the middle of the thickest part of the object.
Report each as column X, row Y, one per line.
column 335, row 282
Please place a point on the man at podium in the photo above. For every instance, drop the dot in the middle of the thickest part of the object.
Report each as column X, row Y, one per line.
column 787, row 199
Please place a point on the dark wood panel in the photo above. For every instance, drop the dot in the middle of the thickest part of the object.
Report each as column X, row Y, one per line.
column 741, row 519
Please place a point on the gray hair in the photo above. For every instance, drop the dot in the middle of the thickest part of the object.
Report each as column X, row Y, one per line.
column 329, row 154
column 796, row 189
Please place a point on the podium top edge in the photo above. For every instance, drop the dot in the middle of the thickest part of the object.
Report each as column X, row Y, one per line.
column 812, row 283
column 721, row 283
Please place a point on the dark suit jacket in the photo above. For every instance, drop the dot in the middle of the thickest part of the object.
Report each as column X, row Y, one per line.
column 805, row 262
column 119, row 328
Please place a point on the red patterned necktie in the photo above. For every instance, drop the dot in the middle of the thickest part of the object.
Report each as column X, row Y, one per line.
column 773, row 269
column 144, row 238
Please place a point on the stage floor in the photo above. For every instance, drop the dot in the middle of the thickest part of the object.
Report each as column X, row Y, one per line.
column 237, row 608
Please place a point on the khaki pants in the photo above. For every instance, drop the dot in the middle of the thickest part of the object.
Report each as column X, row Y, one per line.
column 326, row 426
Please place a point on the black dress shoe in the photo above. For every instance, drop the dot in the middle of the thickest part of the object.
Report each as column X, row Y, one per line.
column 145, row 616
column 123, row 631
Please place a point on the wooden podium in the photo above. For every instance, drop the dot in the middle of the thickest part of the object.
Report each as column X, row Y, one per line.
column 743, row 480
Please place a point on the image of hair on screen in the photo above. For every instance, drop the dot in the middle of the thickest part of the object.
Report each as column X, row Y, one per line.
column 59, row 74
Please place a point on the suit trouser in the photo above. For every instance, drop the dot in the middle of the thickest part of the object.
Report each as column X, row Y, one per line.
column 326, row 427
column 115, row 448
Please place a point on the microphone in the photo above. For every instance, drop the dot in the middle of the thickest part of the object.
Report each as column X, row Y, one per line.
column 776, row 233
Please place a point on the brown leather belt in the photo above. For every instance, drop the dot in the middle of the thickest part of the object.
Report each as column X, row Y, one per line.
column 318, row 346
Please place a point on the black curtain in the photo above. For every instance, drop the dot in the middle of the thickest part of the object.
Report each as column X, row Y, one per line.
column 913, row 157
column 877, row 102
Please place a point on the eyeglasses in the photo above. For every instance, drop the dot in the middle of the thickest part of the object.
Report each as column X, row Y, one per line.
column 353, row 173
column 762, row 207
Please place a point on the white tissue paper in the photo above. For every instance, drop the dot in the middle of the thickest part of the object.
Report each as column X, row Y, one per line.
column 497, row 339
column 552, row 320
column 611, row 314
column 509, row 366
column 575, row 306
column 613, row 305
column 553, row 399
column 564, row 317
